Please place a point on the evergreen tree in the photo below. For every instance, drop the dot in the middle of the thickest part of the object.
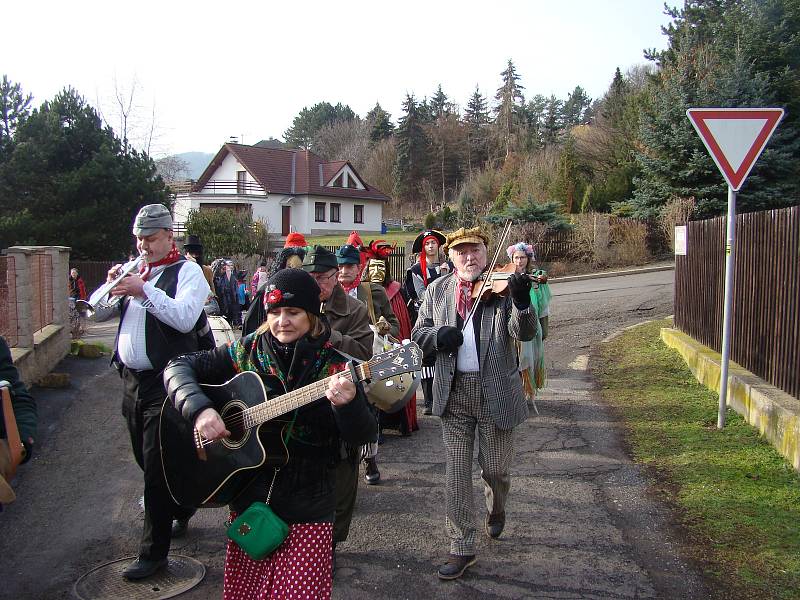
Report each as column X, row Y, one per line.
column 476, row 119
column 380, row 124
column 552, row 121
column 310, row 120
column 507, row 112
column 68, row 181
column 412, row 151
column 14, row 109
column 439, row 104
column 712, row 61
column 574, row 109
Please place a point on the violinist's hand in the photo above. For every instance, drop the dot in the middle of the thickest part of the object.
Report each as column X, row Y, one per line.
column 383, row 326
column 449, row 338
column 519, row 286
column 210, row 425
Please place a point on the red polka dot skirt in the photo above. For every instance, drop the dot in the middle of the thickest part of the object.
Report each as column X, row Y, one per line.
column 299, row 568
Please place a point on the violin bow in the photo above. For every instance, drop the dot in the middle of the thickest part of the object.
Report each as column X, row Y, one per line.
column 503, row 236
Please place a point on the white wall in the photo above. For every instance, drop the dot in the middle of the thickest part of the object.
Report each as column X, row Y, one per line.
column 373, row 212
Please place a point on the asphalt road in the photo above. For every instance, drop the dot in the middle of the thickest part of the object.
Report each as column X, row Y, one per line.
column 580, row 522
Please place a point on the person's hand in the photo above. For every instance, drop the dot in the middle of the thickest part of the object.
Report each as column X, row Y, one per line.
column 132, row 285
column 113, row 272
column 340, row 390
column 449, row 338
column 383, row 326
column 210, row 425
column 519, row 286
column 444, row 268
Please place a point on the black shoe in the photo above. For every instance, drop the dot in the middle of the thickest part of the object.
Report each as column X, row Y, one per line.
column 372, row 475
column 179, row 528
column 455, row 566
column 142, row 568
column 494, row 524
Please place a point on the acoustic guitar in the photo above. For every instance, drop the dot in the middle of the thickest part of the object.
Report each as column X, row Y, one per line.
column 206, row 473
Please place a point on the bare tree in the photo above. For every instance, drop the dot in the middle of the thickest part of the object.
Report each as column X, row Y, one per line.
column 343, row 140
column 133, row 121
column 172, row 168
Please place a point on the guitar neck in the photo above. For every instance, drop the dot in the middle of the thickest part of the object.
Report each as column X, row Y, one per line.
column 261, row 413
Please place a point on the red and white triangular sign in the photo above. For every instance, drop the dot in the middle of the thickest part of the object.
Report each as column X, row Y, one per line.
column 735, row 137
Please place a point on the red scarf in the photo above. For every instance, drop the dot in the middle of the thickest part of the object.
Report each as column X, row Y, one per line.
column 464, row 297
column 355, row 284
column 172, row 256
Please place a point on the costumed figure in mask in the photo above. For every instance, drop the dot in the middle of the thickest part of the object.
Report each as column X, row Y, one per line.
column 418, row 278
column 531, row 353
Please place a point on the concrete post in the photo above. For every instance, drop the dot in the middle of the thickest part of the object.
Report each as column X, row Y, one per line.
column 59, row 256
column 22, row 283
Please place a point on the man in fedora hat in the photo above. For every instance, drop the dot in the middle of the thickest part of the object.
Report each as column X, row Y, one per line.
column 161, row 316
column 193, row 249
column 476, row 386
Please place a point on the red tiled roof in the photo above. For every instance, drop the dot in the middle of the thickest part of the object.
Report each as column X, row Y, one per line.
column 272, row 169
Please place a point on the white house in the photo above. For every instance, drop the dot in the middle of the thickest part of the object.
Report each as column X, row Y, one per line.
column 293, row 190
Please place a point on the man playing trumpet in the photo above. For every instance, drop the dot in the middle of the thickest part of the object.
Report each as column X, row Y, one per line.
column 161, row 317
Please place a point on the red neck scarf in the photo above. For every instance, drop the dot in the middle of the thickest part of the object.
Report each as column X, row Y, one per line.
column 172, row 256
column 356, row 281
column 464, row 297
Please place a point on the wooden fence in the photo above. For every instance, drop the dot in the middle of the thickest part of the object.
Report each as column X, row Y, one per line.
column 765, row 323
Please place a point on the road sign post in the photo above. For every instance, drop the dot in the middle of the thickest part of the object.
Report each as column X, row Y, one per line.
column 735, row 138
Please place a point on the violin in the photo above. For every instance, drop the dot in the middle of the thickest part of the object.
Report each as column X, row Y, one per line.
column 497, row 281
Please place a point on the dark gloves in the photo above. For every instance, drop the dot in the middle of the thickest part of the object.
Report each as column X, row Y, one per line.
column 448, row 338
column 519, row 286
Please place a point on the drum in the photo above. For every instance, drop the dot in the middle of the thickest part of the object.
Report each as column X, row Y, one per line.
column 222, row 330
column 391, row 395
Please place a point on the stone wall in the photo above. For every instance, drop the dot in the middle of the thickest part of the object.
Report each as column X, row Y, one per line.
column 36, row 353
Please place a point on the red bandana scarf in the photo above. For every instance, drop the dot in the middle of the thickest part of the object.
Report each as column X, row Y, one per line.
column 464, row 298
column 172, row 256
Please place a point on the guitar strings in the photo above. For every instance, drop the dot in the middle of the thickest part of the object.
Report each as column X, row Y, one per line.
column 273, row 405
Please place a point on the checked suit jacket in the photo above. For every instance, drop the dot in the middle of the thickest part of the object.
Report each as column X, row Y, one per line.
column 501, row 324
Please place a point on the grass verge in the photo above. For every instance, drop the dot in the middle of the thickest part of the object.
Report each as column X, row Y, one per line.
column 737, row 500
column 394, row 237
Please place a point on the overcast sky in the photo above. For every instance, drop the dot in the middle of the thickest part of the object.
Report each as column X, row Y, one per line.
column 211, row 70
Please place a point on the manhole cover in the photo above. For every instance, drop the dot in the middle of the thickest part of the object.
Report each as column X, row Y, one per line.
column 107, row 583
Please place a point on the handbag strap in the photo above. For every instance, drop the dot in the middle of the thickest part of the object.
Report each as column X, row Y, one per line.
column 285, row 439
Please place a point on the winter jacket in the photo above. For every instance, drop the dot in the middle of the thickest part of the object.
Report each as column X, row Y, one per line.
column 304, row 488
column 21, row 400
column 349, row 321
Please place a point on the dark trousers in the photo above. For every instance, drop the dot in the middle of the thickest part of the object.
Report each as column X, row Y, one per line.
column 143, row 396
column 427, row 392
column 346, row 492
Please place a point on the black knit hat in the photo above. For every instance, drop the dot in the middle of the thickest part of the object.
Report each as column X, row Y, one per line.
column 292, row 287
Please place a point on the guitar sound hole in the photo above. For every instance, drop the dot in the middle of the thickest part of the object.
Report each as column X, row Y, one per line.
column 233, row 421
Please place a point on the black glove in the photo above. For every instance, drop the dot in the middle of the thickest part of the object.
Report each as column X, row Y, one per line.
column 448, row 338
column 519, row 286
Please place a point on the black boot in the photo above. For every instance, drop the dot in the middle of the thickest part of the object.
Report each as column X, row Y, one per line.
column 372, row 475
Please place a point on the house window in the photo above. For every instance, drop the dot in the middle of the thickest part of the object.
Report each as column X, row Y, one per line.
column 338, row 182
column 319, row 211
column 336, row 211
column 352, row 183
column 241, row 182
column 358, row 213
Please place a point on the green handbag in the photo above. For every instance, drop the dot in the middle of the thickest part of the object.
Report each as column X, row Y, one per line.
column 258, row 530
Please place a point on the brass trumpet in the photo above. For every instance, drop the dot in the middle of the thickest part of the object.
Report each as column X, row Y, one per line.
column 100, row 298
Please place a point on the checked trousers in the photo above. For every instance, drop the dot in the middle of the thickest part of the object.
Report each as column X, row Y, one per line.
column 466, row 412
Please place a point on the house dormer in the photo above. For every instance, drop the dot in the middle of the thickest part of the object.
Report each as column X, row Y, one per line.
column 346, row 178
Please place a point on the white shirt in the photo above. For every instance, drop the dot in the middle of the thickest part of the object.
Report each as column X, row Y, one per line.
column 467, row 359
column 180, row 313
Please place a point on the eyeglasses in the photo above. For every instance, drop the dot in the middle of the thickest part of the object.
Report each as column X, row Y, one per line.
column 323, row 276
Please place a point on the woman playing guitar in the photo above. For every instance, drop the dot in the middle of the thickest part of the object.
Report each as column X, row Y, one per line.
column 289, row 351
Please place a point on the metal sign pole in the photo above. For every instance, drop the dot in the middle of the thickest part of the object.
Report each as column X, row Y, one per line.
column 726, row 313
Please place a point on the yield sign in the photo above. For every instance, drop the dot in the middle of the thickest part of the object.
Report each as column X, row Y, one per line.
column 735, row 137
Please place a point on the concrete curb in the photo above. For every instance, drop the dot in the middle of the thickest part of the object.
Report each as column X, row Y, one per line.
column 604, row 274
column 773, row 412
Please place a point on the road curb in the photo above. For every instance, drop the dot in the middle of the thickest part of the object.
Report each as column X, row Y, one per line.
column 604, row 274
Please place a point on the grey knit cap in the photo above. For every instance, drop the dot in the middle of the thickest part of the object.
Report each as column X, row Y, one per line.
column 150, row 219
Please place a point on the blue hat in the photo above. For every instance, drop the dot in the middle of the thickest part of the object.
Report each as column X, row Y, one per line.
column 348, row 255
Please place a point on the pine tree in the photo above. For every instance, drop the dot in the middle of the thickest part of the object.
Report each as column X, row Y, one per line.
column 476, row 120
column 552, row 120
column 575, row 107
column 412, row 151
column 380, row 124
column 310, row 120
column 510, row 98
column 14, row 109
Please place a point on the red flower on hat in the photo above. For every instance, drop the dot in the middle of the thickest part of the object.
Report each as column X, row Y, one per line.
column 274, row 297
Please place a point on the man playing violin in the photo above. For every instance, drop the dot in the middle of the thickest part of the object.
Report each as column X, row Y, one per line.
column 476, row 385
